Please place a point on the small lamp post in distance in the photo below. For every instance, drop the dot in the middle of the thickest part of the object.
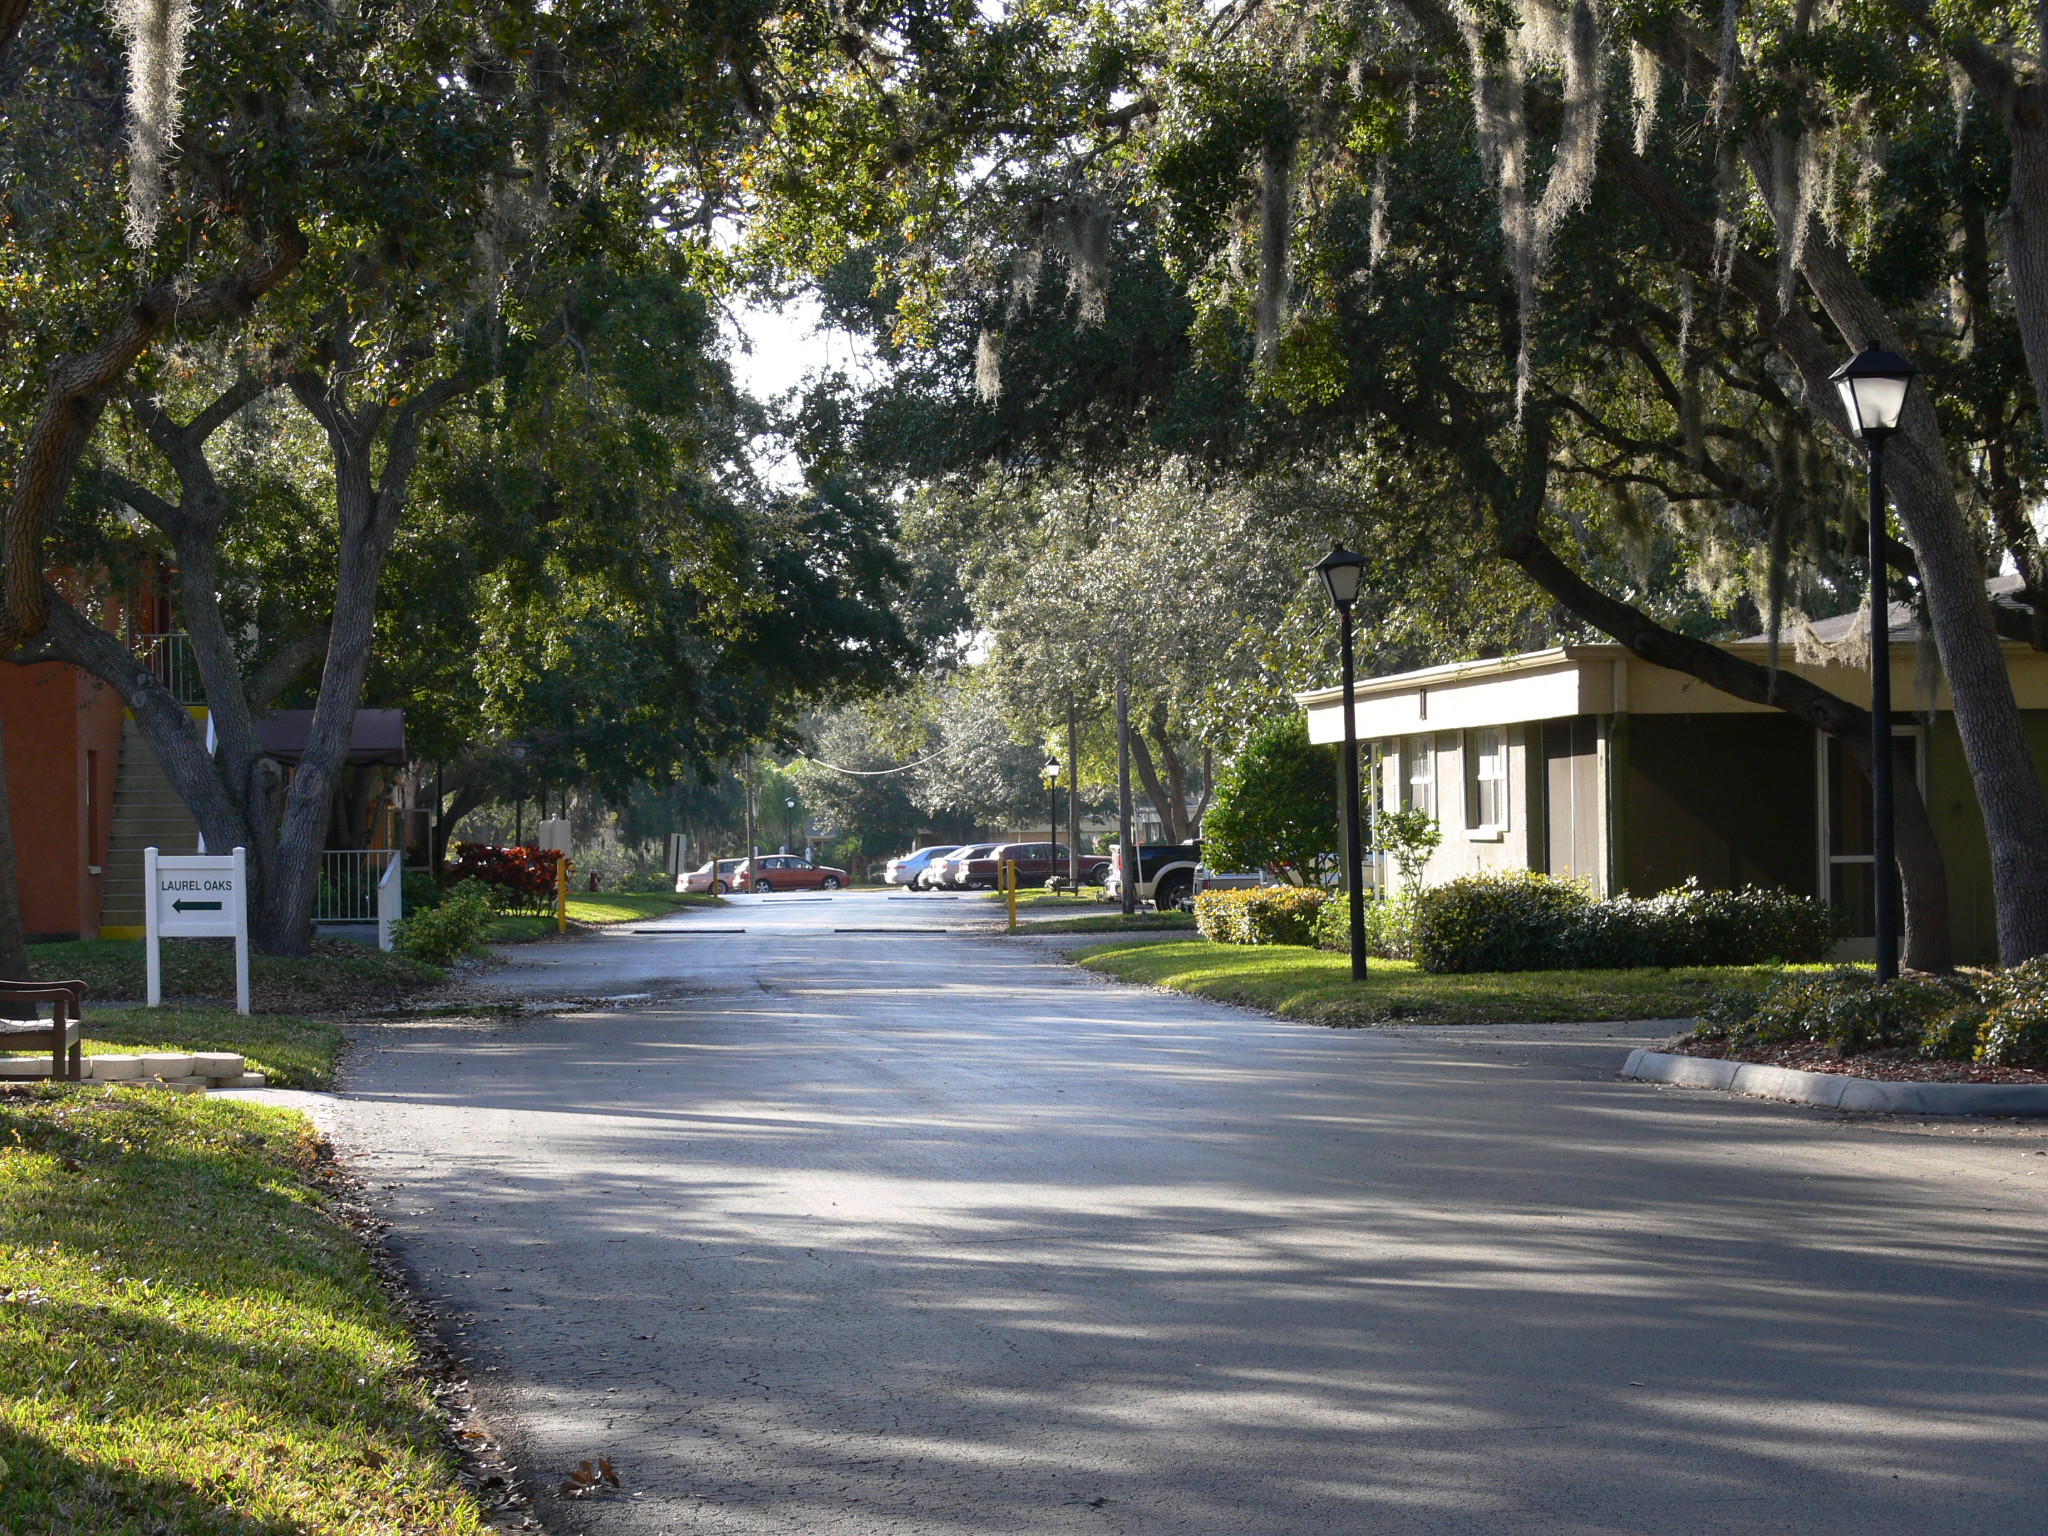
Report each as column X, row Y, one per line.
column 1873, row 386
column 1342, row 573
column 1051, row 772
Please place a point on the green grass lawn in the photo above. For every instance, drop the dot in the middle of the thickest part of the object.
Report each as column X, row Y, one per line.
column 1032, row 896
column 1315, row 985
column 1113, row 922
column 595, row 908
column 188, row 1343
column 337, row 975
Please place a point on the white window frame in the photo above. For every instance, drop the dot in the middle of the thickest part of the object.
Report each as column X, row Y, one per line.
column 1419, row 753
column 1477, row 826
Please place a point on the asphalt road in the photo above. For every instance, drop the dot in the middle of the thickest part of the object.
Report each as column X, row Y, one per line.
column 858, row 1232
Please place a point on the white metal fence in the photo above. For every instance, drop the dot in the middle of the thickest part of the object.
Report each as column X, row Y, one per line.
column 360, row 885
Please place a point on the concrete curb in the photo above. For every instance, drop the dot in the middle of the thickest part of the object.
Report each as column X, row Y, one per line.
column 1832, row 1090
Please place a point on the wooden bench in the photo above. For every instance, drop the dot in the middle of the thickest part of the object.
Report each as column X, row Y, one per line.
column 61, row 1031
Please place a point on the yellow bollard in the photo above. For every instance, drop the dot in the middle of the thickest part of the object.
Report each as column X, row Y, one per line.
column 1010, row 887
column 561, row 894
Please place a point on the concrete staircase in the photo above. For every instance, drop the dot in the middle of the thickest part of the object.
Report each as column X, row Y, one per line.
column 147, row 814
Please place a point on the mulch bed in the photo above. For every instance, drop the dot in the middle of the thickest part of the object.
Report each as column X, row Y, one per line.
column 1883, row 1066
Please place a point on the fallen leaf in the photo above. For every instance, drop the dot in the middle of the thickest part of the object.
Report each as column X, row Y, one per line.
column 605, row 1467
column 373, row 1458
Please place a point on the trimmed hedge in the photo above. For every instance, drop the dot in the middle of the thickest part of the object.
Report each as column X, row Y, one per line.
column 1524, row 921
column 1271, row 914
column 1389, row 926
column 2000, row 1020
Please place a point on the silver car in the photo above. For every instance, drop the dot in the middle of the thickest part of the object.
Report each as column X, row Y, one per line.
column 911, row 867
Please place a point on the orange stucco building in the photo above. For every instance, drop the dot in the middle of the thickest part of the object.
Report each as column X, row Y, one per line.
column 62, row 732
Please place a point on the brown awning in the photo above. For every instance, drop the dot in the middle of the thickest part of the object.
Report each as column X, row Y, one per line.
column 378, row 736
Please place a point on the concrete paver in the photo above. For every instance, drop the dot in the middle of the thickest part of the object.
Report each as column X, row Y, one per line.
column 913, row 1233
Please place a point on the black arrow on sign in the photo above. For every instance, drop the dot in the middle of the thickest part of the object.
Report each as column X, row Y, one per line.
column 195, row 906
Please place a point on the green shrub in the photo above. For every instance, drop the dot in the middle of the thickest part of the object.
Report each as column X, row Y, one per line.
column 1523, row 921
column 1955, row 1035
column 1273, row 914
column 1506, row 922
column 446, row 932
column 646, row 882
column 1848, row 1012
column 2015, row 1034
column 2027, row 981
column 420, row 891
column 1408, row 837
column 1389, row 925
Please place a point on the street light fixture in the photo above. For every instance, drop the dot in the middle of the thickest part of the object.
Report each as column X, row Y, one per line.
column 1873, row 385
column 789, row 824
column 1343, row 573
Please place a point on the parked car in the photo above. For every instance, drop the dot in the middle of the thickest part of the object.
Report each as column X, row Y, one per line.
column 1036, row 864
column 714, row 879
column 905, row 870
column 947, row 874
column 1165, row 873
column 787, row 872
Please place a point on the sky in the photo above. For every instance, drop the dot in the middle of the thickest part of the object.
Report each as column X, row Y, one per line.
column 774, row 348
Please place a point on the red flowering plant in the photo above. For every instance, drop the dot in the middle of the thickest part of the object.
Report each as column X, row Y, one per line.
column 517, row 877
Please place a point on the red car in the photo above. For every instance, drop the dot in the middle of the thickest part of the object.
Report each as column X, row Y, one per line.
column 786, row 872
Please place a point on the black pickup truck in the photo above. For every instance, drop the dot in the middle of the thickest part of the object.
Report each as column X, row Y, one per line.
column 1166, row 873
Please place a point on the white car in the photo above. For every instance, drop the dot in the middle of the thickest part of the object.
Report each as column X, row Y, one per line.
column 908, row 869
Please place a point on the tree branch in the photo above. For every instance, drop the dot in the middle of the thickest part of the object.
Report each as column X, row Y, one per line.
column 71, row 408
column 284, row 667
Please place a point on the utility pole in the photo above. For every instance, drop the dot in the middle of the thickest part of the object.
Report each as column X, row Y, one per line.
column 1129, row 889
column 1073, row 801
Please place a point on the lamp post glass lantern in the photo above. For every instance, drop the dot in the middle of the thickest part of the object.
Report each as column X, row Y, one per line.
column 1873, row 385
column 1343, row 573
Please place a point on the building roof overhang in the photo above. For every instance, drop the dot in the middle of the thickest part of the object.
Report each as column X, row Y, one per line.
column 1604, row 679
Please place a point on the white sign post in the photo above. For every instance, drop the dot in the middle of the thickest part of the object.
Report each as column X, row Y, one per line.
column 196, row 896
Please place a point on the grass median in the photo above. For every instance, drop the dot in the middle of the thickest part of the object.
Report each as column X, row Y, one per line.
column 594, row 909
column 189, row 1343
column 1113, row 922
column 1316, row 986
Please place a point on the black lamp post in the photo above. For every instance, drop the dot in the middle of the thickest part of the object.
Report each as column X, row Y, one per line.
column 1342, row 572
column 1873, row 385
column 1052, row 815
column 788, row 824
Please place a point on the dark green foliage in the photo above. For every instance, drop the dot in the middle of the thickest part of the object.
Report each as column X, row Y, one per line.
column 1530, row 922
column 1513, row 922
column 1954, row 1035
column 1273, row 914
column 1389, row 926
column 420, row 891
column 2001, row 1021
column 449, row 931
column 2016, row 1034
column 1276, row 802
